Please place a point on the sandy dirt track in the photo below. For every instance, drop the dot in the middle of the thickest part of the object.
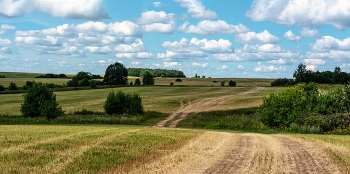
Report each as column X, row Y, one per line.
column 220, row 152
column 203, row 105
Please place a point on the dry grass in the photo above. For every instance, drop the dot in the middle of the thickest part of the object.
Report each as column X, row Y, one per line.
column 84, row 149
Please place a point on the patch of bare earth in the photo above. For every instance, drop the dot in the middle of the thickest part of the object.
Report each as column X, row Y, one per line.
column 219, row 152
column 207, row 104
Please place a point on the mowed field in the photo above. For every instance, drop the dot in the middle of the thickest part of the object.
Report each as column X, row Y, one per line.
column 137, row 149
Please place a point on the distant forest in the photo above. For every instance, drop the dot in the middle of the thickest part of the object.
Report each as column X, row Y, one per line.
column 156, row 72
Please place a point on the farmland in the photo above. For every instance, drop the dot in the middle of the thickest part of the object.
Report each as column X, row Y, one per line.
column 140, row 149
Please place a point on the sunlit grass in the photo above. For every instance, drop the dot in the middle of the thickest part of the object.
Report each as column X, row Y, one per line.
column 84, row 149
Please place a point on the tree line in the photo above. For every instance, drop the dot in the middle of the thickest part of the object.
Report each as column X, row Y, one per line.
column 302, row 75
column 156, row 72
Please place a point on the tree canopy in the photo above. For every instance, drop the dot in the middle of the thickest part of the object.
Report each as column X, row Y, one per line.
column 156, row 72
column 147, row 78
column 116, row 74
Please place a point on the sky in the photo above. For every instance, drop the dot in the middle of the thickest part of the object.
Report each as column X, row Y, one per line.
column 212, row 38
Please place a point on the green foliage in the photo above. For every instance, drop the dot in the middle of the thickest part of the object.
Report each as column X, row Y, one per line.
column 137, row 82
column 121, row 103
column 29, row 83
column 84, row 112
column 147, row 78
column 2, row 76
column 289, row 105
column 52, row 76
column 13, row 86
column 232, row 83
column 156, row 72
column 171, row 84
column 283, row 82
column 116, row 74
column 2, row 88
column 93, row 84
column 81, row 79
column 131, row 83
column 222, row 83
column 40, row 101
column 305, row 129
column 178, row 80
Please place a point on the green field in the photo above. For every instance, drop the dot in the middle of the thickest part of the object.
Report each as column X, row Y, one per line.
column 84, row 149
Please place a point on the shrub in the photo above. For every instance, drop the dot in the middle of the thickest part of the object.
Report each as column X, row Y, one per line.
column 137, row 82
column 231, row 83
column 131, row 84
column 40, row 101
column 171, row 84
column 288, row 106
column 305, row 129
column 147, row 78
column 223, row 83
column 2, row 88
column 84, row 82
column 29, row 83
column 178, row 80
column 13, row 86
column 121, row 103
column 93, row 84
column 84, row 112
column 283, row 82
column 2, row 76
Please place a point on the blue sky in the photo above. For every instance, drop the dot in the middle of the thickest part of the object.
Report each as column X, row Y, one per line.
column 222, row 38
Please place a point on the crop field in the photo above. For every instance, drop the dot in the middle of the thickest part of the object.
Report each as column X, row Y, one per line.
column 84, row 149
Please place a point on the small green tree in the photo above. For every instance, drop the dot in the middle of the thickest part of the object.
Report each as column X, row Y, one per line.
column 223, row 83
column 2, row 88
column 121, row 103
column 13, row 86
column 231, row 83
column 40, row 101
column 147, row 78
column 137, row 82
column 93, row 84
column 116, row 74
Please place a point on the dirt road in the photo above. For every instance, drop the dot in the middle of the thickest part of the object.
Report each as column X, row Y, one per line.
column 220, row 152
column 207, row 104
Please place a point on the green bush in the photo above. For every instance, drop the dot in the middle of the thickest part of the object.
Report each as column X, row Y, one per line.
column 93, row 84
column 13, row 86
column 137, row 82
column 171, row 84
column 305, row 129
column 178, row 80
column 232, row 83
column 40, row 101
column 121, row 103
column 2, row 88
column 223, row 83
column 147, row 78
column 288, row 106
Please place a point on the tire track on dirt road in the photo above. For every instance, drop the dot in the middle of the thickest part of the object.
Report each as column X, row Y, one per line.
column 206, row 104
column 221, row 152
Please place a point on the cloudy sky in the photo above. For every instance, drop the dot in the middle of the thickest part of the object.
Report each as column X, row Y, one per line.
column 217, row 38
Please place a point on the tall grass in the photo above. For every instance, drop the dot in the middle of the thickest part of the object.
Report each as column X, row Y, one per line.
column 305, row 129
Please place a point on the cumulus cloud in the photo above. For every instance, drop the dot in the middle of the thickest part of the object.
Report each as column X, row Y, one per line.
column 204, row 45
column 314, row 62
column 282, row 61
column 5, row 27
column 252, row 37
column 328, row 43
column 77, row 9
column 158, row 4
column 138, row 55
column 200, row 65
column 291, row 37
column 167, row 28
column 125, row 28
column 151, row 17
column 171, row 65
column 5, row 46
column 241, row 67
column 207, row 27
column 228, row 57
column 135, row 47
column 302, row 13
column 196, row 9
column 307, row 32
column 263, row 68
column 224, row 67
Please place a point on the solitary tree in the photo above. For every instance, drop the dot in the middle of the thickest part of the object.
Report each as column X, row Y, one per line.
column 301, row 74
column 116, row 74
column 40, row 101
column 137, row 82
column 147, row 78
column 231, row 83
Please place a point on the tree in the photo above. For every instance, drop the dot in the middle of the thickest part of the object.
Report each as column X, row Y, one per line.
column 121, row 103
column 300, row 74
column 40, row 101
column 223, row 83
column 147, row 78
column 116, row 74
column 137, row 82
column 231, row 83
column 13, row 86
column 2, row 88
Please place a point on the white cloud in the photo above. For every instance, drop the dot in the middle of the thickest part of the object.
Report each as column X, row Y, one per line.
column 77, row 9
column 125, row 28
column 171, row 65
column 307, row 32
column 5, row 46
column 302, row 13
column 151, row 17
column 196, row 9
column 241, row 67
column 5, row 27
column 263, row 68
column 64, row 30
column 136, row 63
column 137, row 46
column 291, row 37
column 201, row 65
column 282, row 61
column 99, row 50
column 158, row 4
column 167, row 28
column 327, row 43
column 224, row 67
column 138, row 55
column 180, row 55
column 252, row 37
column 91, row 26
column 314, row 62
column 204, row 45
column 207, row 27
column 228, row 57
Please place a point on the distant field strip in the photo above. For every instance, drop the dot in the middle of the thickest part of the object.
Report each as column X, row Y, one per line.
column 84, row 149
column 207, row 104
column 219, row 152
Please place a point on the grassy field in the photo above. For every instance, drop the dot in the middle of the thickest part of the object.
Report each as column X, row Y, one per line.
column 84, row 149
column 163, row 99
